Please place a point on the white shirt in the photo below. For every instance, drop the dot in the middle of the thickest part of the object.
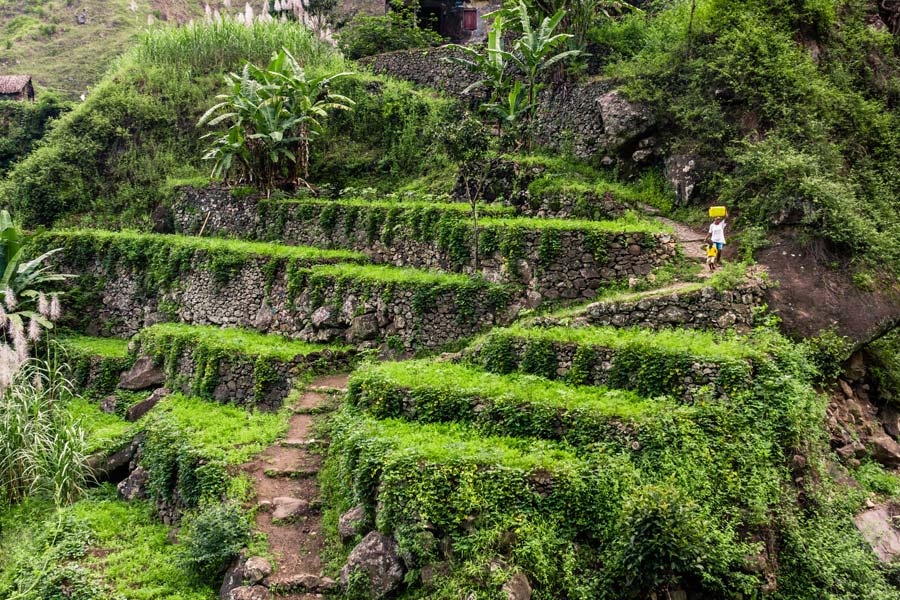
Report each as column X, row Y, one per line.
column 717, row 232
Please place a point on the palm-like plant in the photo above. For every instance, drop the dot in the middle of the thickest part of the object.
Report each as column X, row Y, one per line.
column 491, row 63
column 272, row 113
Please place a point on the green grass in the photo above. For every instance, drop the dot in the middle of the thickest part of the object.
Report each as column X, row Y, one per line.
column 132, row 556
column 233, row 340
column 631, row 223
column 463, row 207
column 210, row 244
column 103, row 431
column 224, row 432
column 94, row 346
column 445, row 378
column 699, row 343
column 395, row 275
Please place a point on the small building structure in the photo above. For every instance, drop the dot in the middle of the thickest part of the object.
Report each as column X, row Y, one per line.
column 16, row 87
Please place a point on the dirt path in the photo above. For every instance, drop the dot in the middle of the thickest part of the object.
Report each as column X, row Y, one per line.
column 288, row 497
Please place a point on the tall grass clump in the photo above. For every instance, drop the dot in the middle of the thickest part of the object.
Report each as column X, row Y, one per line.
column 223, row 45
column 42, row 449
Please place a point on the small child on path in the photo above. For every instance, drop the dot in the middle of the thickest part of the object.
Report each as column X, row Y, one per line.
column 711, row 254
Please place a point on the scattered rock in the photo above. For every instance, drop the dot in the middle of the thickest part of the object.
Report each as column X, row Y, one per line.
column 288, row 509
column 517, row 588
column 247, row 592
column 377, row 556
column 138, row 410
column 876, row 527
column 684, row 172
column 135, row 486
column 108, row 404
column 143, row 375
column 264, row 317
column 351, row 523
column 324, row 316
column 886, row 450
column 234, row 578
column 890, row 419
column 256, row 569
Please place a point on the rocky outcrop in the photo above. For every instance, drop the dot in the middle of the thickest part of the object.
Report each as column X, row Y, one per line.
column 377, row 557
column 139, row 409
column 351, row 523
column 134, row 486
column 877, row 527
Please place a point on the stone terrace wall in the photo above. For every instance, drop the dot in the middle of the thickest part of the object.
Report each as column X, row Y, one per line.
column 706, row 308
column 315, row 308
column 237, row 380
column 698, row 377
column 554, row 264
column 589, row 119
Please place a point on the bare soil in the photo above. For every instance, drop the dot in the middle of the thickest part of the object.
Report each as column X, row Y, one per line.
column 295, row 547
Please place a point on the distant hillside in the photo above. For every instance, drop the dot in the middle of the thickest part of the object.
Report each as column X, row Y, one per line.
column 43, row 38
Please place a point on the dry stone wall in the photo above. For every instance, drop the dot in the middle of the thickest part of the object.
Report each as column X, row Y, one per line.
column 299, row 303
column 553, row 263
column 589, row 119
column 704, row 308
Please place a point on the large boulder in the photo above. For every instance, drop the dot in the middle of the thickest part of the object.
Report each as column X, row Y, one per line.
column 377, row 556
column 289, row 509
column 624, row 122
column 234, row 578
column 249, row 592
column 256, row 569
column 517, row 588
column 363, row 327
column 143, row 375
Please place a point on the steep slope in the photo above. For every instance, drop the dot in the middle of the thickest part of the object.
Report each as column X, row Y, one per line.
column 67, row 45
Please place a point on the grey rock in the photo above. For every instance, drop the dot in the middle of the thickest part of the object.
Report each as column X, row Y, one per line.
column 134, row 486
column 234, row 578
column 890, row 419
column 248, row 592
column 376, row 556
column 363, row 327
column 684, row 172
column 256, row 569
column 288, row 509
column 143, row 375
column 108, row 404
column 138, row 410
column 886, row 450
column 624, row 122
column 876, row 527
column 324, row 316
column 351, row 523
column 264, row 318
column 517, row 588
column 102, row 466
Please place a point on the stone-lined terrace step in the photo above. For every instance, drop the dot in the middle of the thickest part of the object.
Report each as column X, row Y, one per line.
column 95, row 364
column 555, row 258
column 439, row 479
column 237, row 365
column 130, row 281
column 513, row 405
column 697, row 305
column 678, row 362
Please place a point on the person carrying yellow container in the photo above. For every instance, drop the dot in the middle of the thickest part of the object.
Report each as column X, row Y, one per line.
column 716, row 233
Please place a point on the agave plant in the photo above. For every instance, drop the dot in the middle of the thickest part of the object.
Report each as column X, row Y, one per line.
column 272, row 114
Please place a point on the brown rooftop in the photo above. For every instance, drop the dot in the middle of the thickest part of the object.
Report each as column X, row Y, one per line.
column 13, row 84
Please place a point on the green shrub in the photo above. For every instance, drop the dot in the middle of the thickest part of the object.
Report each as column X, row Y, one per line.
column 366, row 35
column 211, row 538
column 23, row 124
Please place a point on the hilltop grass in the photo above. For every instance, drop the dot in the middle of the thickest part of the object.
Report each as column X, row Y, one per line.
column 230, row 340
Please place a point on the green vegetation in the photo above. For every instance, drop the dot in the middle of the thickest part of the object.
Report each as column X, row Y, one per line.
column 211, row 538
column 42, row 449
column 102, row 431
column 523, row 405
column 98, row 548
column 95, row 364
column 272, row 114
column 366, row 35
column 803, row 128
column 22, row 124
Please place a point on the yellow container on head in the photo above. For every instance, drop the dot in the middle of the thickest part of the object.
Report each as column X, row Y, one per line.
column 717, row 211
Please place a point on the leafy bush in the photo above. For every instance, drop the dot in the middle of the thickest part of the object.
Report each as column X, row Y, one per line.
column 211, row 538
column 22, row 124
column 366, row 35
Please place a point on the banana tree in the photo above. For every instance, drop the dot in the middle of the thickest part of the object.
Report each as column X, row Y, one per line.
column 492, row 63
column 272, row 114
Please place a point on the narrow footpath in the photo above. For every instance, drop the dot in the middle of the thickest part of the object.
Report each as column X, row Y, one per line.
column 287, row 493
